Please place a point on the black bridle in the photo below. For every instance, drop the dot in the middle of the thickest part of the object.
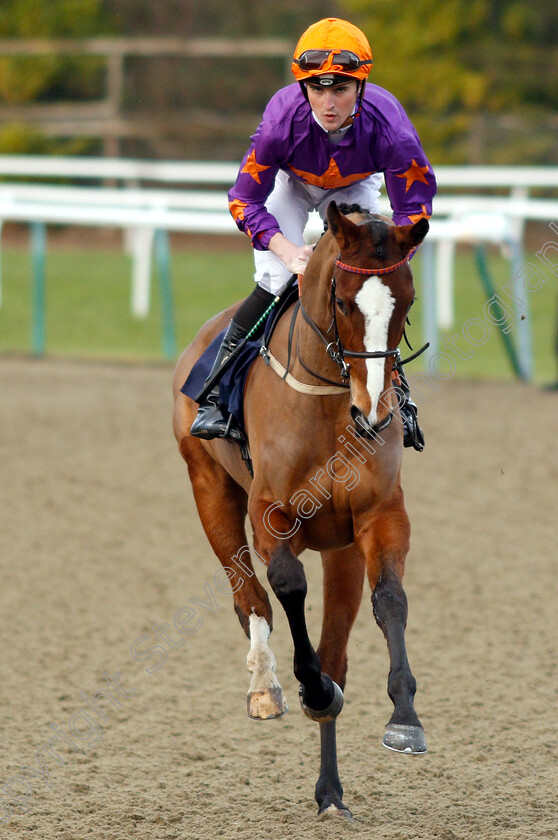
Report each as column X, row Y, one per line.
column 335, row 349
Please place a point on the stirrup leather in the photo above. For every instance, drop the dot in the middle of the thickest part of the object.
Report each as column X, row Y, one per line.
column 210, row 422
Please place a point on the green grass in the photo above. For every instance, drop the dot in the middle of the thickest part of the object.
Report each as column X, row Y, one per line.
column 88, row 301
column 491, row 360
column 88, row 306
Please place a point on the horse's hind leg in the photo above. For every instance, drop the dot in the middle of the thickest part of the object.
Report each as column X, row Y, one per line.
column 265, row 697
column 385, row 540
column 221, row 506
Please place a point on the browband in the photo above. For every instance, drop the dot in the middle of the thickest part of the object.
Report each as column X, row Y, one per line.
column 371, row 271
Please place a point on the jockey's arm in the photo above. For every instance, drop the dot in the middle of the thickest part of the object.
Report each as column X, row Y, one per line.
column 294, row 256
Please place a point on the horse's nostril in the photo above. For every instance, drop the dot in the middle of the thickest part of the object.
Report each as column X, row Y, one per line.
column 356, row 413
column 361, row 423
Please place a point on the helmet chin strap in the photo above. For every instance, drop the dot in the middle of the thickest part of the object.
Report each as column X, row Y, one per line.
column 302, row 86
column 360, row 94
column 349, row 121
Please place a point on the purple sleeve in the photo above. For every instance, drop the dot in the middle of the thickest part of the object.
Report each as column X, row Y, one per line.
column 409, row 177
column 255, row 181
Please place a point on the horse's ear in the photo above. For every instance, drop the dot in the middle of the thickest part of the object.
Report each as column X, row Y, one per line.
column 409, row 236
column 345, row 231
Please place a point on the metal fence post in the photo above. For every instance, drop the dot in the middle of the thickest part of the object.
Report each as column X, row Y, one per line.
column 38, row 258
column 522, row 311
column 490, row 291
column 162, row 255
column 429, row 319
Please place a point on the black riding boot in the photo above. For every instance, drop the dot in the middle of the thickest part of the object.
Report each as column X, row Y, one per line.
column 210, row 422
column 412, row 432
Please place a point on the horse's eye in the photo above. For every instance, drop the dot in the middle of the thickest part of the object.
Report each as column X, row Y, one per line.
column 341, row 305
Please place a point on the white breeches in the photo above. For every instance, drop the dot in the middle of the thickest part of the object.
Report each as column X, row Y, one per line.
column 291, row 203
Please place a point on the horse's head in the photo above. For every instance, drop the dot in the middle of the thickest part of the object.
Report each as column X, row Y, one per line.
column 372, row 292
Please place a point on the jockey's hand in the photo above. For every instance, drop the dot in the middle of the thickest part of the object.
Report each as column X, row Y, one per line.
column 294, row 256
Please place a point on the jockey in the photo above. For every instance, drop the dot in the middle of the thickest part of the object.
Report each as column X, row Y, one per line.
column 329, row 137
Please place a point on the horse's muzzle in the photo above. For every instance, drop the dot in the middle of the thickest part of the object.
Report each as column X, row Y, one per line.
column 363, row 426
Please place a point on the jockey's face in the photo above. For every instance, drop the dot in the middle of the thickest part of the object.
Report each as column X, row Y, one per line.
column 332, row 104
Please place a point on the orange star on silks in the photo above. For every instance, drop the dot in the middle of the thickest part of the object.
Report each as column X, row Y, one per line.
column 331, row 178
column 237, row 208
column 417, row 216
column 414, row 173
column 253, row 168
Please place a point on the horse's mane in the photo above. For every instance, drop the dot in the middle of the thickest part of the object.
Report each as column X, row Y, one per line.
column 377, row 223
column 363, row 213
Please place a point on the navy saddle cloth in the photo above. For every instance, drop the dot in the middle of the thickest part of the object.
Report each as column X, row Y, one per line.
column 231, row 386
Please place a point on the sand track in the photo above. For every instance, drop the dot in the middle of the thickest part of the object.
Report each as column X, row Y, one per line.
column 100, row 539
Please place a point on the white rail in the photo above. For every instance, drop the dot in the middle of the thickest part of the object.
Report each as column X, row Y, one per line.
column 142, row 197
column 118, row 169
column 203, row 172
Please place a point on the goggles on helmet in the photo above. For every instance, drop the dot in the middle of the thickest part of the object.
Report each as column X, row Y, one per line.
column 342, row 60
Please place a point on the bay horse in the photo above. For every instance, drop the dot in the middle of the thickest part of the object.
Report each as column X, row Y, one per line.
column 326, row 476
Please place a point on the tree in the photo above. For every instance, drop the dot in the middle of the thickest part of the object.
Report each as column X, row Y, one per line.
column 214, row 18
column 450, row 62
column 24, row 79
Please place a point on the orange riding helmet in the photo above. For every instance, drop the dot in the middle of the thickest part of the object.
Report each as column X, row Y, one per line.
column 332, row 46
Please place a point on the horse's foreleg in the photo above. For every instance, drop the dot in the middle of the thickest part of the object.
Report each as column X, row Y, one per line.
column 321, row 698
column 343, row 581
column 385, row 544
column 222, row 506
column 404, row 732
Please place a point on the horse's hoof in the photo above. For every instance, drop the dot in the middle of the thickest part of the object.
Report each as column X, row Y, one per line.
column 328, row 714
column 268, row 704
column 403, row 738
column 333, row 811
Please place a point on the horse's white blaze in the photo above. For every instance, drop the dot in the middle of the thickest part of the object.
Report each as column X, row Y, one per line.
column 376, row 303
